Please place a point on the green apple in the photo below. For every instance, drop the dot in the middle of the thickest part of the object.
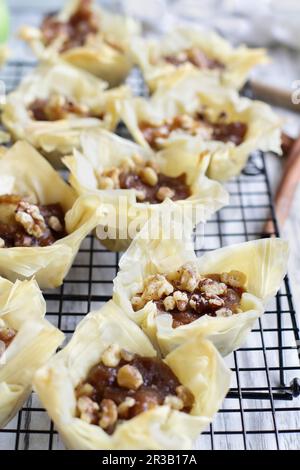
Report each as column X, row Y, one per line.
column 4, row 21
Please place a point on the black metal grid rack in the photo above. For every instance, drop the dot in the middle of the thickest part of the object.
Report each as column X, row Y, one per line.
column 262, row 410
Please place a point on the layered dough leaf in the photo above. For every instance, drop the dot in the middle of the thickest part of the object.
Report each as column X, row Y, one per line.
column 102, row 150
column 23, row 171
column 205, row 374
column 264, row 262
column 184, row 94
column 79, row 100
column 105, row 54
column 235, row 63
column 23, row 308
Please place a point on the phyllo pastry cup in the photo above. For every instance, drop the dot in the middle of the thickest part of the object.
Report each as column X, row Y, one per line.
column 55, row 103
column 210, row 118
column 195, row 50
column 42, row 224
column 87, row 37
column 134, row 182
column 27, row 341
column 175, row 296
column 109, row 356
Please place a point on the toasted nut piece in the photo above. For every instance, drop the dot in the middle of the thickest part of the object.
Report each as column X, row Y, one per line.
column 185, row 395
column 153, row 164
column 189, row 277
column 187, row 122
column 156, row 286
column 55, row 224
column 125, row 406
column 114, row 174
column 212, row 288
column 234, row 278
column 138, row 159
column 127, row 355
column 148, row 176
column 88, row 409
column 129, row 377
column 181, row 300
column 84, row 390
column 111, row 356
column 164, row 192
column 174, row 402
column 127, row 164
column 30, row 217
column 137, row 303
column 7, row 334
column 140, row 195
column 2, row 243
column 198, row 303
column 169, row 303
column 105, row 182
column 109, row 413
column 216, row 301
column 224, row 312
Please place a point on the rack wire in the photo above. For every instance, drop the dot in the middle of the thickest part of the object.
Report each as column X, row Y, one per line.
column 262, row 409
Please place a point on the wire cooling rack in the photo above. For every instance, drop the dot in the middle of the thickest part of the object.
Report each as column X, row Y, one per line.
column 262, row 409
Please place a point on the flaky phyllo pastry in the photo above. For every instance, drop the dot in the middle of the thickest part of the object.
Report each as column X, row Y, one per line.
column 195, row 50
column 42, row 224
column 27, row 341
column 88, row 37
column 210, row 118
column 55, row 103
column 107, row 389
column 134, row 182
column 174, row 296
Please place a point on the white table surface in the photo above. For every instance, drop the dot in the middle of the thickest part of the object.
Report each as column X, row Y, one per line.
column 284, row 69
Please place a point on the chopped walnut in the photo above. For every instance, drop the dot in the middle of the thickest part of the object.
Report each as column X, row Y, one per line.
column 216, row 301
column 224, row 312
column 111, row 356
column 140, row 195
column 185, row 395
column 84, row 390
column 212, row 288
column 189, row 277
column 127, row 355
column 109, row 413
column 234, row 278
column 125, row 406
column 164, row 192
column 181, row 300
column 129, row 377
column 137, row 303
column 29, row 216
column 169, row 303
column 55, row 224
column 105, row 182
column 88, row 409
column 156, row 286
column 149, row 176
column 174, row 402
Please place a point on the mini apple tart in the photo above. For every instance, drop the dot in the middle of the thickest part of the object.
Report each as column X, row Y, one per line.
column 212, row 119
column 88, row 37
column 27, row 341
column 55, row 103
column 41, row 222
column 174, row 296
column 108, row 389
column 134, row 182
column 195, row 50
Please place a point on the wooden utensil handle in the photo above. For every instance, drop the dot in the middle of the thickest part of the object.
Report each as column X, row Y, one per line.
column 274, row 95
